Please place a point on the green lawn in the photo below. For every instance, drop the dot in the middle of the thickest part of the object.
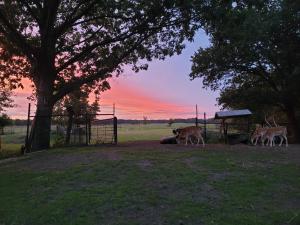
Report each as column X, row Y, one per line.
column 15, row 136
column 142, row 132
column 148, row 183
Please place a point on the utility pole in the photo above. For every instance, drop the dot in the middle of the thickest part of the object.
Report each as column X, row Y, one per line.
column 205, row 135
column 196, row 115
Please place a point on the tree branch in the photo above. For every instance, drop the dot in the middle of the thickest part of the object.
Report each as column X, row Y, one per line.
column 88, row 49
column 31, row 12
column 72, row 85
column 121, row 37
column 78, row 43
column 14, row 36
column 265, row 76
column 72, row 18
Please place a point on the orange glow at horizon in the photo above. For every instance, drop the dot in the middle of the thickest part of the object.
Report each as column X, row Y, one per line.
column 163, row 91
column 131, row 103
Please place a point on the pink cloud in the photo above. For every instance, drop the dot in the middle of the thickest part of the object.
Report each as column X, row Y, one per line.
column 131, row 102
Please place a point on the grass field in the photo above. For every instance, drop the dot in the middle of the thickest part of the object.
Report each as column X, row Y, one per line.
column 15, row 137
column 148, row 183
column 146, row 132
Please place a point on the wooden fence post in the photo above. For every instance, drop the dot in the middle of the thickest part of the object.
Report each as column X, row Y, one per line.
column 27, row 147
column 205, row 130
column 115, row 120
column 196, row 115
column 86, row 130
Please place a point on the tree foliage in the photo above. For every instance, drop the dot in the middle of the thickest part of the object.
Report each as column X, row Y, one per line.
column 254, row 55
column 75, row 43
column 63, row 45
column 78, row 102
column 5, row 99
column 171, row 121
column 4, row 121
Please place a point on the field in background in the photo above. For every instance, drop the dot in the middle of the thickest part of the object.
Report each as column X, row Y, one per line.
column 142, row 132
column 15, row 135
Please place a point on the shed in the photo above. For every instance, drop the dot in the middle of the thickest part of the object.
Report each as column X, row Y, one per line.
column 234, row 138
column 233, row 114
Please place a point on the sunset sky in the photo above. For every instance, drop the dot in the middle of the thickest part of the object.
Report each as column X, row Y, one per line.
column 163, row 91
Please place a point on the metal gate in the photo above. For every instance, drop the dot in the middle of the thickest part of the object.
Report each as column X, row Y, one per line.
column 77, row 130
column 103, row 131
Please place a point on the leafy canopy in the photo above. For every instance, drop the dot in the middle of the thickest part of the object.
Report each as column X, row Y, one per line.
column 5, row 121
column 67, row 44
column 5, row 99
column 78, row 103
column 254, row 54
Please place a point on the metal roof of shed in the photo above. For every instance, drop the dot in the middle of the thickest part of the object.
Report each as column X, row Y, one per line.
column 233, row 113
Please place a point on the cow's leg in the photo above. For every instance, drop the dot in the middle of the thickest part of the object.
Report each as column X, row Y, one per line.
column 263, row 141
column 178, row 140
column 286, row 141
column 256, row 140
column 198, row 140
column 268, row 142
column 272, row 141
column 281, row 140
column 191, row 140
column 203, row 144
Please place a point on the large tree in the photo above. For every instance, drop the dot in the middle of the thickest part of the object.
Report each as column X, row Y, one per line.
column 4, row 121
column 53, row 38
column 77, row 101
column 7, row 82
column 254, row 53
column 5, row 98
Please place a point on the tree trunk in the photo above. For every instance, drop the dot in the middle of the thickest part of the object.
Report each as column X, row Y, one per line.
column 294, row 123
column 42, row 122
column 42, row 126
column 44, row 76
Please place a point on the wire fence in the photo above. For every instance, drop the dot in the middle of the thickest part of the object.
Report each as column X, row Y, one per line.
column 132, row 125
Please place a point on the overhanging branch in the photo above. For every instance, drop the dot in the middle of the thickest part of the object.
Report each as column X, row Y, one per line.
column 16, row 37
column 102, row 74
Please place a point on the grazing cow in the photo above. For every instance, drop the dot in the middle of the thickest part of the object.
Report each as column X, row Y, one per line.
column 187, row 133
column 273, row 132
column 258, row 134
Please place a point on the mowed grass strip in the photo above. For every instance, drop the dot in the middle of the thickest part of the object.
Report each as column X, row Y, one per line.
column 140, row 183
column 15, row 136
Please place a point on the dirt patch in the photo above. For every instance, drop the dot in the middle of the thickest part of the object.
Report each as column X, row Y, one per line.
column 207, row 194
column 49, row 161
column 145, row 164
column 190, row 162
column 219, row 176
